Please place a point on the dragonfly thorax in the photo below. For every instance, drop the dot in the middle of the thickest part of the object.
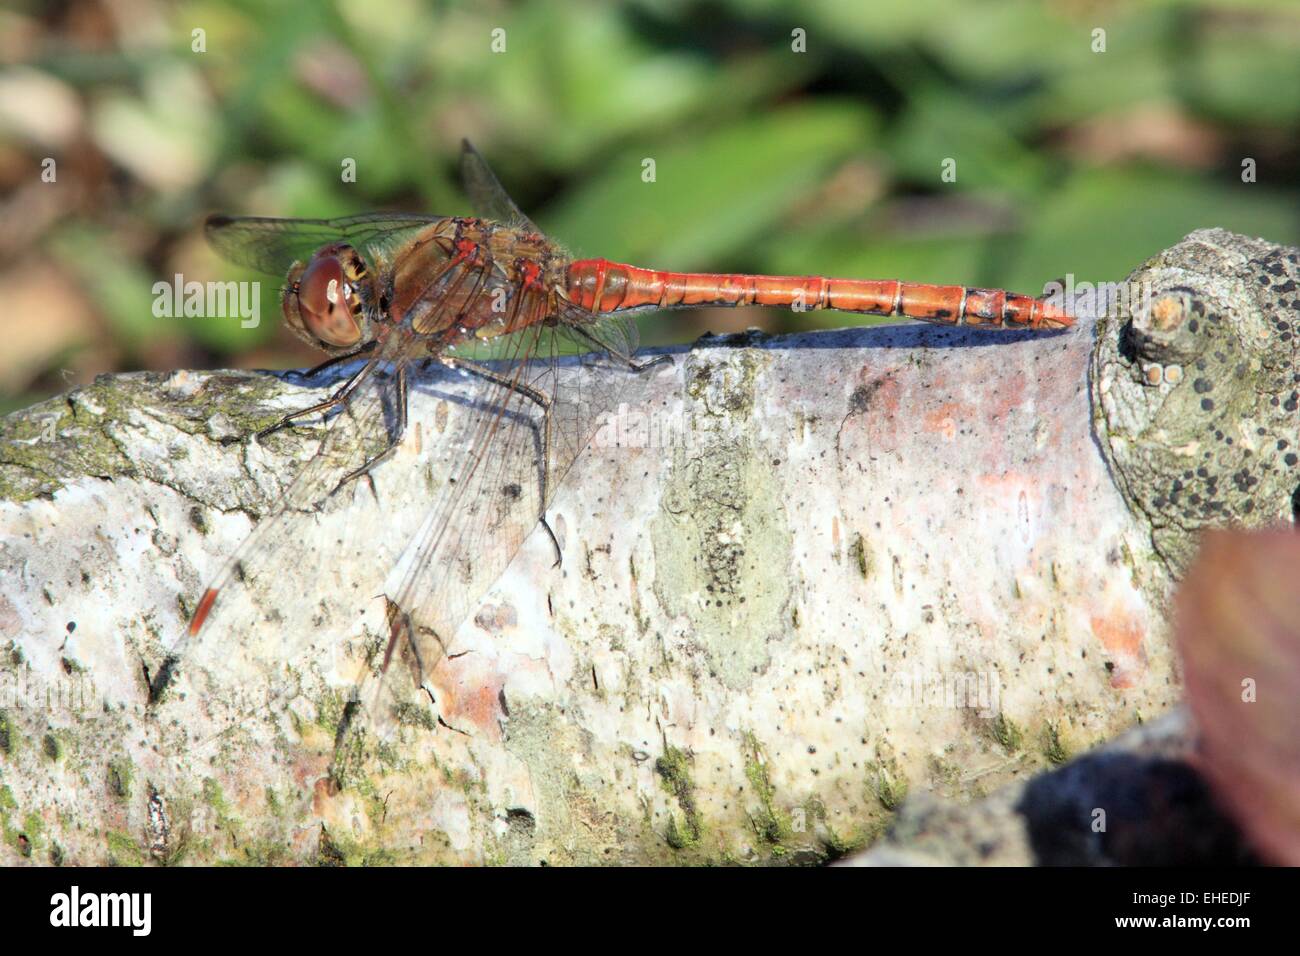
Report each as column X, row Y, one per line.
column 464, row 280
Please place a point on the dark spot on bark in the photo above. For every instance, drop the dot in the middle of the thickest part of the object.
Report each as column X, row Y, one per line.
column 1128, row 343
column 860, row 398
column 159, row 682
column 521, row 823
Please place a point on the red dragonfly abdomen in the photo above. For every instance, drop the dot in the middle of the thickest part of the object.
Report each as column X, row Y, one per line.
column 601, row 286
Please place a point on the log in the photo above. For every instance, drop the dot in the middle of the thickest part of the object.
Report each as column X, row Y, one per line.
column 825, row 570
column 1139, row 800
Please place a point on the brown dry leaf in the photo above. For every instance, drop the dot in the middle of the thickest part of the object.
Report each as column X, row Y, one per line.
column 56, row 318
column 1163, row 133
column 1238, row 631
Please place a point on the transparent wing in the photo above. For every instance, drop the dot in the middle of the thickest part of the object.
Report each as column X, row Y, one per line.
column 324, row 544
column 374, row 583
column 486, row 194
column 494, row 455
column 273, row 245
column 254, row 619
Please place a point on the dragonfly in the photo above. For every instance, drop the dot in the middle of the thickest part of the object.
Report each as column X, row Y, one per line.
column 535, row 347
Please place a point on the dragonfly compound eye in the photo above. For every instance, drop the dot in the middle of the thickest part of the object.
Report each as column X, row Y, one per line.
column 328, row 302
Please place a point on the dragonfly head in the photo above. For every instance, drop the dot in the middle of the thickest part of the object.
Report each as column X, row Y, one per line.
column 324, row 301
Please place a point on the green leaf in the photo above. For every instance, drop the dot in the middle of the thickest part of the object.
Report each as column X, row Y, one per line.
column 985, row 152
column 1250, row 76
column 118, row 284
column 713, row 192
column 1103, row 223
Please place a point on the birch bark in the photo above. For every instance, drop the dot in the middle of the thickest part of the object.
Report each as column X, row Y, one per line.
column 834, row 569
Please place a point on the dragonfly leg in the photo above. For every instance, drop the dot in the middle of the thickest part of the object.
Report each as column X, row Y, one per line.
column 632, row 363
column 641, row 366
column 555, row 542
column 331, row 362
column 394, row 438
column 338, row 398
column 544, row 403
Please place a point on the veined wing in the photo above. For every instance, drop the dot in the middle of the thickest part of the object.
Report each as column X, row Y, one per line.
column 436, row 534
column 325, row 535
column 243, row 621
column 273, row 245
column 493, row 454
column 486, row 194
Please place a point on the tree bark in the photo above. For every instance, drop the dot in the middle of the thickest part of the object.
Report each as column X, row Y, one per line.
column 837, row 568
column 1139, row 800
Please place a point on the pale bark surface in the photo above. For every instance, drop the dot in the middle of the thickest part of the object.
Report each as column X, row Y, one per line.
column 885, row 561
column 1139, row 800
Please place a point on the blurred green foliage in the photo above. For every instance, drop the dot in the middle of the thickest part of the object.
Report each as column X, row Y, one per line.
column 768, row 157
